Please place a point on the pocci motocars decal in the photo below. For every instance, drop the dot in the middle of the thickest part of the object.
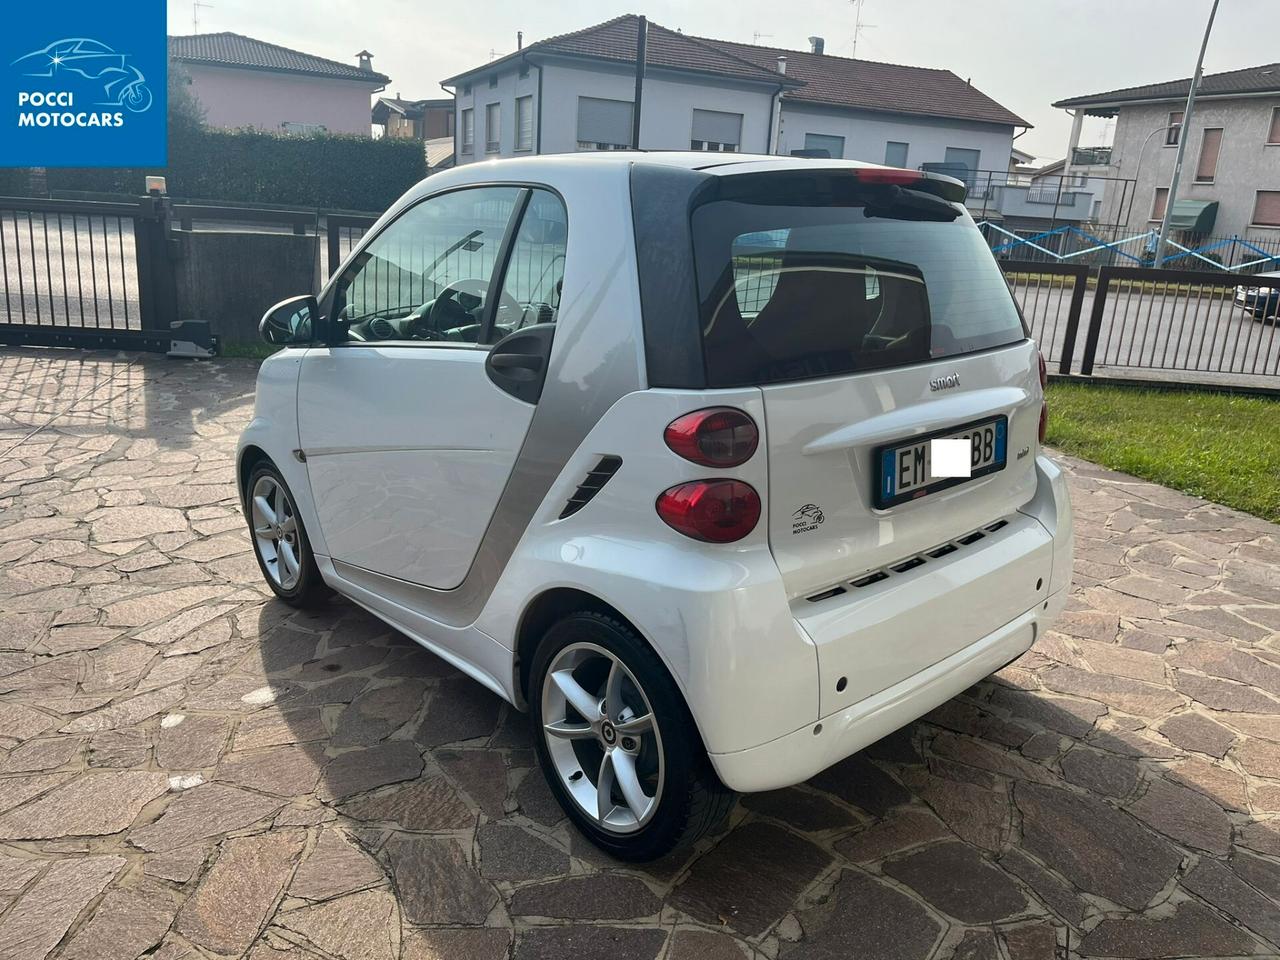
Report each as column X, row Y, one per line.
column 85, row 84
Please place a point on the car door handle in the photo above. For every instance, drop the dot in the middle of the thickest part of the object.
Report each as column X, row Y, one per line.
column 518, row 362
column 514, row 361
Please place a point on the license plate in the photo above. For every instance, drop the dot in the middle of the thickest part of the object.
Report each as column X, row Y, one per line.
column 906, row 468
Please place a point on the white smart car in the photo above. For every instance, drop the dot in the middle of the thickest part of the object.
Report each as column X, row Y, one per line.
column 644, row 443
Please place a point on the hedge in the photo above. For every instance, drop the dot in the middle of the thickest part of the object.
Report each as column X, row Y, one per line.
column 330, row 172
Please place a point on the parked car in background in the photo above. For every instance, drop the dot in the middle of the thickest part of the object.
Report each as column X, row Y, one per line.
column 642, row 443
column 1260, row 301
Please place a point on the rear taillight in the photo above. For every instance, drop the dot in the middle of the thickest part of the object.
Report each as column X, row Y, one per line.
column 715, row 437
column 1044, row 406
column 716, row 511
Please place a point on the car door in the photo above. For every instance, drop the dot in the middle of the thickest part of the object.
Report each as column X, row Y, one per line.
column 412, row 416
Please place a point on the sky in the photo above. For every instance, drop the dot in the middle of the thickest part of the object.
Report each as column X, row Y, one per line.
column 1023, row 53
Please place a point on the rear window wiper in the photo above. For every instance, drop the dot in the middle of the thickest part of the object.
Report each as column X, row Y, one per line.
column 898, row 203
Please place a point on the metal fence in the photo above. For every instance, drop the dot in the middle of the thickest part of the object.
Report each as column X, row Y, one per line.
column 1191, row 326
column 69, row 267
column 1117, row 246
column 99, row 273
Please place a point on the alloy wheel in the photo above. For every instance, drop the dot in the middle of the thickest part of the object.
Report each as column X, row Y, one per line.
column 602, row 737
column 275, row 532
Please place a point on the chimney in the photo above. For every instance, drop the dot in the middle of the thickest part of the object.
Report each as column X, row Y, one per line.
column 365, row 61
column 782, row 64
column 816, row 45
column 519, row 39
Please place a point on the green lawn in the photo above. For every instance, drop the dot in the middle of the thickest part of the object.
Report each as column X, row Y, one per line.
column 1217, row 446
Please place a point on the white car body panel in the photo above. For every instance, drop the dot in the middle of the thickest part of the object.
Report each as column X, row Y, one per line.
column 757, row 662
column 400, row 484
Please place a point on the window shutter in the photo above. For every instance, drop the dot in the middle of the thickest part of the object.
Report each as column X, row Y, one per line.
column 895, row 154
column 604, row 121
column 1266, row 209
column 1161, row 200
column 717, row 127
column 1211, row 143
column 524, row 123
column 821, row 141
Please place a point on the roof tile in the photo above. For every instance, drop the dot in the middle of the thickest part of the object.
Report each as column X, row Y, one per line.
column 236, row 50
column 816, row 78
column 1263, row 79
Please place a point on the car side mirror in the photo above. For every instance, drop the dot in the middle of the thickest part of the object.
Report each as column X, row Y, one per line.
column 290, row 321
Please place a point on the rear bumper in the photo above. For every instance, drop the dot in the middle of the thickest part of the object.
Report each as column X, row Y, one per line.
column 947, row 597
column 805, row 752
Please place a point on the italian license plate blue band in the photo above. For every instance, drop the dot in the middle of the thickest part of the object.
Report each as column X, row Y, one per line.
column 888, row 475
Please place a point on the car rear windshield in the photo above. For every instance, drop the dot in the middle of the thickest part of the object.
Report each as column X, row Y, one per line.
column 791, row 291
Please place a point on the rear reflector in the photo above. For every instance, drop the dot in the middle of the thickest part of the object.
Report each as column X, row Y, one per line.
column 714, row 511
column 715, row 437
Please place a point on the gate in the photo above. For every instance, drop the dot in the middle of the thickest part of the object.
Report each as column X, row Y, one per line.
column 86, row 273
column 1051, row 297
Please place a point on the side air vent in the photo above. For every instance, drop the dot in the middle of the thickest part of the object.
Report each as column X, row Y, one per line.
column 910, row 563
column 595, row 480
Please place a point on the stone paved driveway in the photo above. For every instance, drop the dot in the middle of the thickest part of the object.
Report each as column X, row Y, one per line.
column 190, row 769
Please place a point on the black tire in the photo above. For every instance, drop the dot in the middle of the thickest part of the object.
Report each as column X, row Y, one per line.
column 693, row 801
column 310, row 589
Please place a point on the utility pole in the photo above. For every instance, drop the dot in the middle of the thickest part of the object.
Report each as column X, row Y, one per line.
column 642, row 39
column 1183, row 136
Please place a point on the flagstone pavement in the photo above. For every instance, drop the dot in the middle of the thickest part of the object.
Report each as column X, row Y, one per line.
column 191, row 769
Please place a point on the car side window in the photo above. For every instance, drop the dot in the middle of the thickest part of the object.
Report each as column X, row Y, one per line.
column 426, row 276
column 535, row 271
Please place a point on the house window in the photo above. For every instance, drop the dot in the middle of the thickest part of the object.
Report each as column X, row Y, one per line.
column 715, row 131
column 492, row 128
column 524, row 70
column 1174, row 129
column 524, row 123
column 1266, row 208
column 604, row 124
column 466, row 89
column 1158, row 203
column 834, row 146
column 895, row 153
column 493, row 80
column 1274, row 135
column 1210, row 145
column 468, row 131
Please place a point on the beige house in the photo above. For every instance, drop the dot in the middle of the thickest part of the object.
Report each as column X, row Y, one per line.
column 246, row 83
column 1230, row 183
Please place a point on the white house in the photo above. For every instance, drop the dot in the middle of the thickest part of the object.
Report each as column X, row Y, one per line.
column 246, row 83
column 576, row 91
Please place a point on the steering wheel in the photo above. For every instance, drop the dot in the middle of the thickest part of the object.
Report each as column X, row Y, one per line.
column 445, row 310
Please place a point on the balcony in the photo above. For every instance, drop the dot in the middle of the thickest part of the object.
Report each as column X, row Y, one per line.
column 1091, row 157
column 997, row 194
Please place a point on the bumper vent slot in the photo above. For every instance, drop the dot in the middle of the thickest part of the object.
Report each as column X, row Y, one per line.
column 594, row 482
column 910, row 563
column 870, row 578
